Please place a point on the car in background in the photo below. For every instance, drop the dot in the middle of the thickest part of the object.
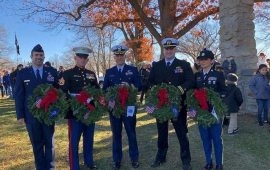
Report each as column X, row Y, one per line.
column 100, row 81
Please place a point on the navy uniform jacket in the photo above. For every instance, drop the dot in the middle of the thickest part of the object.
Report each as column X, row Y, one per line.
column 214, row 80
column 129, row 74
column 74, row 80
column 26, row 82
column 179, row 74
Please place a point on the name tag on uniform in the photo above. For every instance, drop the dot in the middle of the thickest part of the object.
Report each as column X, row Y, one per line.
column 26, row 81
column 76, row 76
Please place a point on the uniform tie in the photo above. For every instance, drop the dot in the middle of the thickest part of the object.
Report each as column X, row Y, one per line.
column 120, row 71
column 38, row 76
column 168, row 64
column 204, row 76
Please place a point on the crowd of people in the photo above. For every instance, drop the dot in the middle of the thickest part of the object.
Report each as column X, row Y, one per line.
column 206, row 72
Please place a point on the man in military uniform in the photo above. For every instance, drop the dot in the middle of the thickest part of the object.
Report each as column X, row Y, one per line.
column 71, row 83
column 178, row 73
column 210, row 78
column 41, row 135
column 123, row 74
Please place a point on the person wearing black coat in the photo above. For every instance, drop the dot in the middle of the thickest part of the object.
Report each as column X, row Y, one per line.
column 173, row 71
column 233, row 101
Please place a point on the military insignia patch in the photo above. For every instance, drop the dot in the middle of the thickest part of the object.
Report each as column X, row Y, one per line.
column 203, row 54
column 178, row 69
column 62, row 81
column 50, row 78
column 90, row 76
column 169, row 42
column 129, row 73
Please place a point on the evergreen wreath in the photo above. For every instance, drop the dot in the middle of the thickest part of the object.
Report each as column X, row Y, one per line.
column 47, row 104
column 165, row 101
column 83, row 110
column 119, row 97
column 197, row 98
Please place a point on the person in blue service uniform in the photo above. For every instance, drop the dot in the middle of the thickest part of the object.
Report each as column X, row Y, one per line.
column 123, row 74
column 210, row 78
column 41, row 135
column 72, row 83
column 178, row 73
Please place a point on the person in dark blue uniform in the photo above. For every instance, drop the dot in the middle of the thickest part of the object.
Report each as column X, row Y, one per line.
column 71, row 83
column 41, row 135
column 123, row 74
column 178, row 73
column 210, row 78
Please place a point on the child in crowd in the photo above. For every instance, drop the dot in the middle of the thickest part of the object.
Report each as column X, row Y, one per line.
column 258, row 85
column 233, row 101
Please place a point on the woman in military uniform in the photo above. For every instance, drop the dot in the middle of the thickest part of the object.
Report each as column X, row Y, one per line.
column 214, row 80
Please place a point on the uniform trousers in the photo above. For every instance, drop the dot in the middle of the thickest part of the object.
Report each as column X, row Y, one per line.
column 75, row 129
column 130, row 126
column 42, row 140
column 180, row 126
column 208, row 134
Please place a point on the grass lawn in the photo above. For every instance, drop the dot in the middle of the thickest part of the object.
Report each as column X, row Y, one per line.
column 249, row 150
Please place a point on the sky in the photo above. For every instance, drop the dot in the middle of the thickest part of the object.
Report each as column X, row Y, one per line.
column 30, row 34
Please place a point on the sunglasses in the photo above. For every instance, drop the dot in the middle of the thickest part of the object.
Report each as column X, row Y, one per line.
column 84, row 57
column 169, row 48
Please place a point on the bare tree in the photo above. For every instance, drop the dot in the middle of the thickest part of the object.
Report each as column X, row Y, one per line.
column 5, row 48
column 205, row 36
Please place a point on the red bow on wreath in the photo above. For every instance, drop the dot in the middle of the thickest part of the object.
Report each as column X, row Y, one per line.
column 123, row 95
column 163, row 97
column 50, row 98
column 82, row 98
column 101, row 100
column 200, row 95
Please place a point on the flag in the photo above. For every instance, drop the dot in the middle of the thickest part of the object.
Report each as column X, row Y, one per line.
column 111, row 103
column 17, row 45
column 192, row 112
column 38, row 101
column 214, row 113
column 149, row 108
column 86, row 114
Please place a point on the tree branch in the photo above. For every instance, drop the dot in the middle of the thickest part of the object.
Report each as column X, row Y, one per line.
column 194, row 22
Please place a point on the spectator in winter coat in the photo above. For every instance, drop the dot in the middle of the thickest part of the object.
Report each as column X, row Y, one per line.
column 233, row 102
column 258, row 85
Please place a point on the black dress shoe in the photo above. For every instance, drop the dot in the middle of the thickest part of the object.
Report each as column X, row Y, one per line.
column 208, row 167
column 116, row 165
column 219, row 167
column 135, row 164
column 157, row 163
column 92, row 166
column 186, row 167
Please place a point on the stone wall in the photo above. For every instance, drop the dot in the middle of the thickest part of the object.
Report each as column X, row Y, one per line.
column 237, row 32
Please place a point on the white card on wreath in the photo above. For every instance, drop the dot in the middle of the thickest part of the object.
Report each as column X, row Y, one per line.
column 130, row 111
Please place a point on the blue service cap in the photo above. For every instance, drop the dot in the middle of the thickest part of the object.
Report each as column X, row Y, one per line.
column 205, row 53
column 119, row 49
column 169, row 42
column 38, row 48
column 82, row 51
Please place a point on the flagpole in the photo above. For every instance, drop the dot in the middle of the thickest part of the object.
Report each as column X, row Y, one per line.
column 17, row 59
